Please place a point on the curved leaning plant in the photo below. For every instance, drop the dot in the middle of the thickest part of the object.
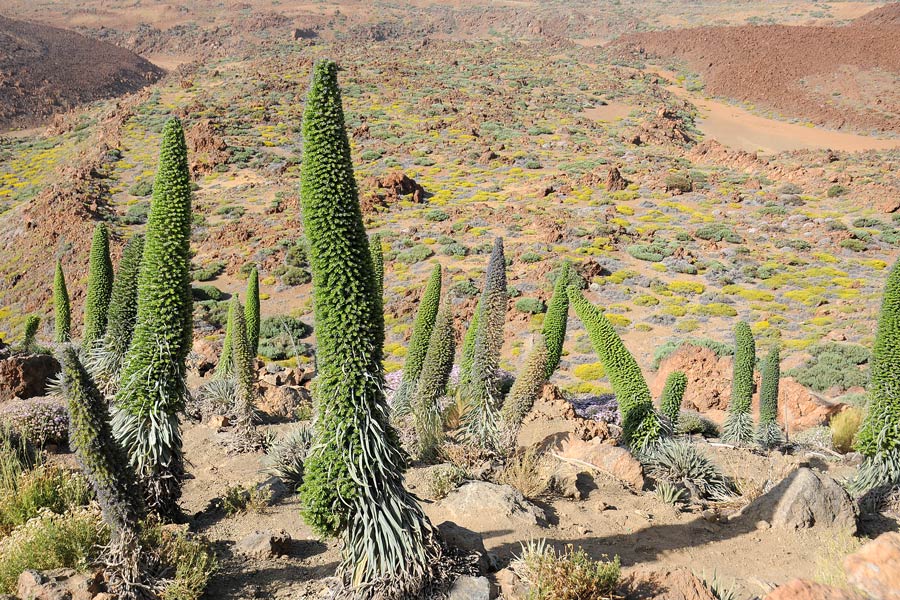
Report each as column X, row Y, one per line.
column 641, row 424
column 152, row 388
column 768, row 434
column 353, row 479
column 672, row 395
column 106, row 466
column 556, row 319
column 432, row 385
column 62, row 311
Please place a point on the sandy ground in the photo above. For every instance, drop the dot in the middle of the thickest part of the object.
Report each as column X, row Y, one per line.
column 612, row 520
column 612, row 111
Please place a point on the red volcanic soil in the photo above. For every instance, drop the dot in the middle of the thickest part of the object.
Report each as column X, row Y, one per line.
column 44, row 70
column 845, row 76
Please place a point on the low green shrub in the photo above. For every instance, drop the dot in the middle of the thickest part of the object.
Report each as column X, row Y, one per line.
column 440, row 480
column 207, row 292
column 51, row 541
column 653, row 252
column 415, row 254
column 436, row 215
column 834, row 365
column 24, row 493
column 530, row 306
column 679, row 182
column 209, row 271
column 280, row 335
column 717, row 232
column 566, row 575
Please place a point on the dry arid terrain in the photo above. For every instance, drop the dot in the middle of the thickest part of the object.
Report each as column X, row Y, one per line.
column 698, row 164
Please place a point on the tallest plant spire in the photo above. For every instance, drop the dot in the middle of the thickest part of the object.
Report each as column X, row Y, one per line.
column 353, row 479
column 152, row 388
column 879, row 438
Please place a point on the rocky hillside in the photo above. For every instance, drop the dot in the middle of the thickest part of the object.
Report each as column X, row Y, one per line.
column 45, row 70
column 836, row 76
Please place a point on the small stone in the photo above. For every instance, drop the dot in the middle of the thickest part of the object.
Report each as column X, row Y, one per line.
column 467, row 587
column 511, row 587
column 217, row 422
column 265, row 544
column 710, row 516
column 761, row 525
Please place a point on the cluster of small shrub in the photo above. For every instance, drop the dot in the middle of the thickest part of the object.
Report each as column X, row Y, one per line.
column 40, row 421
column 279, row 337
column 48, row 521
column 834, row 365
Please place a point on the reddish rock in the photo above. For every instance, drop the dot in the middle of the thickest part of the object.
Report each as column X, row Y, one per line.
column 26, row 376
column 875, row 568
column 709, row 390
column 58, row 584
column 665, row 584
column 614, row 181
column 510, row 585
column 217, row 422
column 614, row 460
column 889, row 205
column 800, row 589
column 282, row 402
column 388, row 189
column 207, row 148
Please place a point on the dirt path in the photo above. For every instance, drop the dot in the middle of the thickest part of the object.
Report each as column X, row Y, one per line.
column 740, row 129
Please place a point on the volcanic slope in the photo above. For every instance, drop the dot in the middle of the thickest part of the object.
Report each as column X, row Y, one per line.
column 45, row 70
column 846, row 76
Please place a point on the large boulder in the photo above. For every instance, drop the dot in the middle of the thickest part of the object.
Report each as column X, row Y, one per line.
column 479, row 504
column 875, row 568
column 612, row 460
column 25, row 376
column 800, row 589
column 709, row 390
column 665, row 584
column 805, row 499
